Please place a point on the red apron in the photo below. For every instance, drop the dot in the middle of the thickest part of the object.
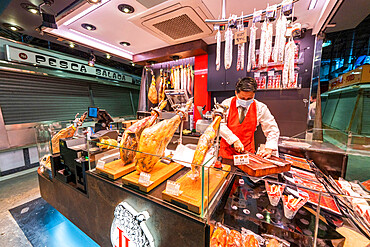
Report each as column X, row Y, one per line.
column 244, row 131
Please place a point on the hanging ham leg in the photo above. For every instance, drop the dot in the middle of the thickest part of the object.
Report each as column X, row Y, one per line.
column 131, row 136
column 154, row 140
column 204, row 144
column 152, row 94
column 162, row 87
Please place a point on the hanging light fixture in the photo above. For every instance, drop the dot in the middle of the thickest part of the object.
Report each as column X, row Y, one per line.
column 94, row 1
column 92, row 60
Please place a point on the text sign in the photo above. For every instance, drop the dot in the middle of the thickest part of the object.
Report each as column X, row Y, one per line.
column 144, row 179
column 241, row 37
column 242, row 159
column 34, row 58
column 173, row 188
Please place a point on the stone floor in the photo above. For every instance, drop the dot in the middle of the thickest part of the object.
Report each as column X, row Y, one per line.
column 15, row 192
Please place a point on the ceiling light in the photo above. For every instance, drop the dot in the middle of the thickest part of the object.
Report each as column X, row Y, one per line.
column 30, row 8
column 94, row 1
column 92, row 60
column 108, row 56
column 124, row 43
column 133, row 64
column 88, row 26
column 312, row 4
column 12, row 27
column 125, row 8
column 72, row 45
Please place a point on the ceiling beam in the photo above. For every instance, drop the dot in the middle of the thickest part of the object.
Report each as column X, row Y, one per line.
column 184, row 50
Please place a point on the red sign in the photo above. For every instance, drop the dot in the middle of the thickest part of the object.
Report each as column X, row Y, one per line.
column 123, row 240
column 23, row 56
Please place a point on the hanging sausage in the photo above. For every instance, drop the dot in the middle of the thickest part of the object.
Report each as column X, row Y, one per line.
column 218, row 50
column 228, row 48
column 268, row 45
column 190, row 79
column 262, row 44
column 288, row 71
column 241, row 50
column 251, row 63
column 278, row 53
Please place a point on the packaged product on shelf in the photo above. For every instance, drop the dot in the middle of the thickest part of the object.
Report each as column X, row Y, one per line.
column 219, row 236
column 251, row 239
column 234, row 239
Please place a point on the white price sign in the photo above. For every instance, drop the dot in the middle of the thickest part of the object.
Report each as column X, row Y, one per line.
column 241, row 159
column 145, row 178
column 173, row 188
column 270, row 73
column 100, row 164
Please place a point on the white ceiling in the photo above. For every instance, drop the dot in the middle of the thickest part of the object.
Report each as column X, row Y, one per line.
column 113, row 26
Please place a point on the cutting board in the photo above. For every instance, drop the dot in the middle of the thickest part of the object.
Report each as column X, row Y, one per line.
column 191, row 196
column 115, row 169
column 159, row 174
column 264, row 167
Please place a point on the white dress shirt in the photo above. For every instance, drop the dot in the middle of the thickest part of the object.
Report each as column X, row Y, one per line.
column 264, row 117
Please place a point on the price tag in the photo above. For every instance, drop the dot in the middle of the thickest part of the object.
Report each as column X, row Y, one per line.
column 242, row 159
column 256, row 74
column 145, row 179
column 257, row 16
column 100, row 164
column 270, row 73
column 241, row 37
column 173, row 188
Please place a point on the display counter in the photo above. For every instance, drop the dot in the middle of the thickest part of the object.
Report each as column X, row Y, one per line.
column 176, row 209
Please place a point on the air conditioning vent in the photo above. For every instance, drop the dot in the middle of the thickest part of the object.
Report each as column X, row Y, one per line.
column 176, row 21
column 179, row 27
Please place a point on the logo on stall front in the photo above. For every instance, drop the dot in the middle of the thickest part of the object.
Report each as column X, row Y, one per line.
column 129, row 229
column 23, row 56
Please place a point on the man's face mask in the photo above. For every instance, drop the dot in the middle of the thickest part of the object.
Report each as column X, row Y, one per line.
column 244, row 103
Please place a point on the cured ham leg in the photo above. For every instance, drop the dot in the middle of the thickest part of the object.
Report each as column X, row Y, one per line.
column 131, row 136
column 204, row 144
column 65, row 133
column 152, row 94
column 154, row 140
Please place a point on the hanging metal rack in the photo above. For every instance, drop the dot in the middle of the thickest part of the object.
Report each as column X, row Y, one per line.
column 245, row 17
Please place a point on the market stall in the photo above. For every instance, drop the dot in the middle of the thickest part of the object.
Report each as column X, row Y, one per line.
column 159, row 180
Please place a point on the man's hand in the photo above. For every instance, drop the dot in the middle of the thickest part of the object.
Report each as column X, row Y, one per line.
column 238, row 146
column 265, row 153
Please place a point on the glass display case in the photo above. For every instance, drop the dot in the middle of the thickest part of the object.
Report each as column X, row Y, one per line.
column 300, row 207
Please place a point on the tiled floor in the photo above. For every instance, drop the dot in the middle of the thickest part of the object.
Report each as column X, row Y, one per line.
column 27, row 220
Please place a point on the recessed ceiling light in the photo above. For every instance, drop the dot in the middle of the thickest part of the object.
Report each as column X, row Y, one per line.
column 94, row 1
column 12, row 27
column 108, row 56
column 124, row 43
column 125, row 8
column 30, row 8
column 88, row 26
column 133, row 64
column 72, row 45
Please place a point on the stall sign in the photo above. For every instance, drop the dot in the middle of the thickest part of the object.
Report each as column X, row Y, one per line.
column 129, row 229
column 358, row 75
column 241, row 159
column 35, row 58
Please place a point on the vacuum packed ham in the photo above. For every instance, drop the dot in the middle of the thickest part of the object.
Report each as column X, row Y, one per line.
column 219, row 237
column 204, row 144
column 154, row 140
column 234, row 239
column 131, row 136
